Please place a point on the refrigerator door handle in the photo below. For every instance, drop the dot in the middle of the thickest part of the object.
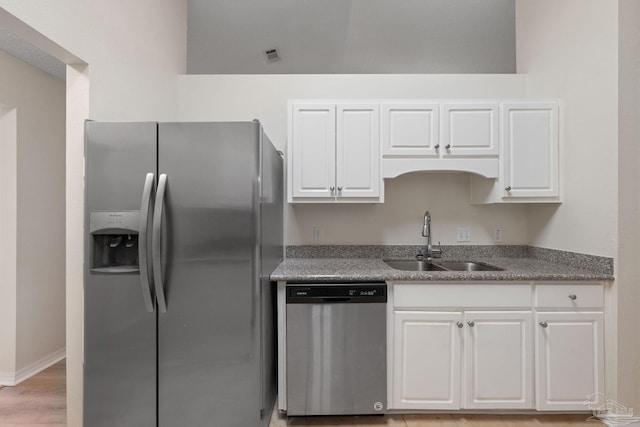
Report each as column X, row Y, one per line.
column 145, row 205
column 156, row 243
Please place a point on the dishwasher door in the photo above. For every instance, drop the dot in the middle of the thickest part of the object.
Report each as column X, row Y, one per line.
column 336, row 349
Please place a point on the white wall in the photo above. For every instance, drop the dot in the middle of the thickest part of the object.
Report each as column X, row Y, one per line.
column 629, row 205
column 134, row 50
column 398, row 221
column 568, row 49
column 8, row 243
column 38, row 101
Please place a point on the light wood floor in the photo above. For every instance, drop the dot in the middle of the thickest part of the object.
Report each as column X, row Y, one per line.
column 444, row 420
column 41, row 402
column 38, row 401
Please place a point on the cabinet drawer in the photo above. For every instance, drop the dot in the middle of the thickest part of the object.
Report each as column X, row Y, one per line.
column 570, row 295
column 461, row 295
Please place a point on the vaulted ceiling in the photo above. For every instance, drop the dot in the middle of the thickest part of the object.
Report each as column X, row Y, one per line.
column 334, row 36
column 351, row 36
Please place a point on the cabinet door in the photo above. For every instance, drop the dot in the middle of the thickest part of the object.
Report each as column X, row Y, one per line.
column 358, row 151
column 530, row 150
column 313, row 151
column 498, row 355
column 426, row 365
column 409, row 129
column 470, row 130
column 569, row 359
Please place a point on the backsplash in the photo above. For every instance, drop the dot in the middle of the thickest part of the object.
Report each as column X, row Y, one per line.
column 455, row 252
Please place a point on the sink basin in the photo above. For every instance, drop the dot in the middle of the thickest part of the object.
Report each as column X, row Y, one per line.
column 422, row 265
column 414, row 265
column 466, row 266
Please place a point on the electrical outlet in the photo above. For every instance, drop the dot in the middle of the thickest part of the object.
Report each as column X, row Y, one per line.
column 318, row 234
column 497, row 235
column 463, row 234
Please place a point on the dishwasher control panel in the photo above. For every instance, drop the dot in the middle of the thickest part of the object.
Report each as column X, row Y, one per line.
column 339, row 293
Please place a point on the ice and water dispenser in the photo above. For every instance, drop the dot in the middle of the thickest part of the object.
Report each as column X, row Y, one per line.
column 115, row 242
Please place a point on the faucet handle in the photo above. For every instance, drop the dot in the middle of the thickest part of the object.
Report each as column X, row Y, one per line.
column 436, row 252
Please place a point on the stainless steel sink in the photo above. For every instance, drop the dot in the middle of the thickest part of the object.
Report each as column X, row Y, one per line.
column 417, row 265
column 414, row 265
column 466, row 266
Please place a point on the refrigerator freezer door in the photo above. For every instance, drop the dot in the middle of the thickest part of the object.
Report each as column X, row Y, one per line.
column 120, row 335
column 208, row 339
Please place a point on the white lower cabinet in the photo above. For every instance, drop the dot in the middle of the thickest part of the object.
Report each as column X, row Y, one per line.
column 570, row 359
column 470, row 360
column 498, row 360
column 427, row 366
column 496, row 346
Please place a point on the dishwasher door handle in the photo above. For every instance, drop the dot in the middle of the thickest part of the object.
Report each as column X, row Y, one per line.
column 329, row 299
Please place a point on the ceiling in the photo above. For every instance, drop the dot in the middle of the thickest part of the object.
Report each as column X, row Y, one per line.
column 351, row 36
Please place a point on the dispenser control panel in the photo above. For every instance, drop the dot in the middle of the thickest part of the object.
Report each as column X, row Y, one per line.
column 114, row 222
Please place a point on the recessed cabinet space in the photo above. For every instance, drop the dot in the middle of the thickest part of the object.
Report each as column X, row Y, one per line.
column 334, row 153
column 440, row 136
column 465, row 358
column 529, row 159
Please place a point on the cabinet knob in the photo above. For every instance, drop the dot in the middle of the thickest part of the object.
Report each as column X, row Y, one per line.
column 471, row 324
column 332, row 188
column 339, row 188
column 459, row 324
column 573, row 297
column 544, row 324
column 436, row 146
column 508, row 188
column 448, row 146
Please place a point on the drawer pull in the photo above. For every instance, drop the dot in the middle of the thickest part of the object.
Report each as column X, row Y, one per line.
column 573, row 297
column 471, row 324
column 544, row 324
column 459, row 324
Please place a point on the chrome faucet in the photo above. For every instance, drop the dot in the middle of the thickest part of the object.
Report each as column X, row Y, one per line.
column 426, row 232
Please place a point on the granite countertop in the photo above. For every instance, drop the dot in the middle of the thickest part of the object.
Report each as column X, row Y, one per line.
column 324, row 269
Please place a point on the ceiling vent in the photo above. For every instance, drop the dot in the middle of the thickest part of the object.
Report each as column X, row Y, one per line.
column 272, row 55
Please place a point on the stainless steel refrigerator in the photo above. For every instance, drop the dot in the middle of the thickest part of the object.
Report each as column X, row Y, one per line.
column 183, row 227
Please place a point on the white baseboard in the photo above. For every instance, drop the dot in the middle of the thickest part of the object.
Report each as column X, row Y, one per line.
column 15, row 378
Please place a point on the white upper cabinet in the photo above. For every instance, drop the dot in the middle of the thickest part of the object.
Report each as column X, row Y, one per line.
column 358, row 151
column 313, row 151
column 340, row 150
column 410, row 129
column 470, row 129
column 529, row 158
column 334, row 153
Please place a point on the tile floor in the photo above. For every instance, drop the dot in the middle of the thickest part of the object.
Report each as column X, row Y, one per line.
column 41, row 402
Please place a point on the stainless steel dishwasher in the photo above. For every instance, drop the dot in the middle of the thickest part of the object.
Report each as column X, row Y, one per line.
column 336, row 349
